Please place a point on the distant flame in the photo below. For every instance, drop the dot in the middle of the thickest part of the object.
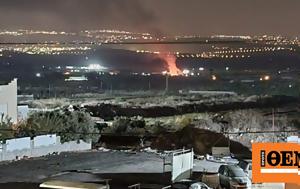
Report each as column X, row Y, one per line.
column 170, row 60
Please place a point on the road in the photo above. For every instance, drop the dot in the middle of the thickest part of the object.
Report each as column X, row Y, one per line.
column 88, row 166
column 38, row 169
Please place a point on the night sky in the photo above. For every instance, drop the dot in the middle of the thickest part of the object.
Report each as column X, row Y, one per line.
column 203, row 17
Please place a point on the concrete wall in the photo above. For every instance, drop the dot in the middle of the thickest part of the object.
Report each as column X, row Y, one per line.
column 220, row 151
column 39, row 146
column 182, row 164
column 44, row 140
column 18, row 144
column 8, row 100
column 293, row 139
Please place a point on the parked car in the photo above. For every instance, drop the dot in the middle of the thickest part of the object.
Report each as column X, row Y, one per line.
column 233, row 177
column 189, row 184
column 246, row 165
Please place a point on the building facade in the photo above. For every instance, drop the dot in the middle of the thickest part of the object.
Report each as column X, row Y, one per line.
column 8, row 101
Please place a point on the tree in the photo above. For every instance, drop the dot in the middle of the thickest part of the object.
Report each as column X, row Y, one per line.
column 124, row 125
column 79, row 125
column 76, row 125
column 42, row 123
column 120, row 125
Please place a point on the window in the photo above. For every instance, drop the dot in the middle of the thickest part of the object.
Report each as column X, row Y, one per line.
column 221, row 169
column 250, row 167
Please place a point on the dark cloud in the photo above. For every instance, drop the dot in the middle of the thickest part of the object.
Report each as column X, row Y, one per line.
column 75, row 14
column 203, row 17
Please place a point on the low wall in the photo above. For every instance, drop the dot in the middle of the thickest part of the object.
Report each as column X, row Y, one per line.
column 39, row 146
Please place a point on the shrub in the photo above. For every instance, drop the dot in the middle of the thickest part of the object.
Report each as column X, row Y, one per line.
column 6, row 131
column 68, row 125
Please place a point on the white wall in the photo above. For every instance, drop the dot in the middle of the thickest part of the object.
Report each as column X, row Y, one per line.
column 182, row 164
column 39, row 146
column 44, row 140
column 220, row 151
column 8, row 100
column 293, row 139
column 18, row 144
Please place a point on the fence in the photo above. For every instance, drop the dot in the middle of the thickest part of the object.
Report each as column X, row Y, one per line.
column 182, row 164
column 39, row 146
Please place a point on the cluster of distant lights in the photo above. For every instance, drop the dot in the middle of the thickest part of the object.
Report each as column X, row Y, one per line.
column 47, row 50
column 192, row 73
column 244, row 52
column 68, row 70
column 105, row 36
column 246, row 37
column 265, row 78
column 21, row 32
column 214, row 36
column 102, row 33
column 118, row 36
column 89, row 68
column 192, row 55
column 277, row 40
column 177, row 54
column 147, row 51
column 33, row 32
column 268, row 39
column 114, row 31
column 101, row 36
column 142, row 74
column 253, row 50
column 189, row 73
column 228, row 53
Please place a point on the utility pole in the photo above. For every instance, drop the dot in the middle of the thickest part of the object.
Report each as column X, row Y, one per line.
column 49, row 89
column 228, row 141
column 167, row 82
column 149, row 85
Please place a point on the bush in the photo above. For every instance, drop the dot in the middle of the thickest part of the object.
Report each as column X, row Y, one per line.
column 76, row 125
column 6, row 131
column 157, row 128
column 120, row 125
column 124, row 125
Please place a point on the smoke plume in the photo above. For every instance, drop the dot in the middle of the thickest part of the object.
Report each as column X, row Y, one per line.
column 77, row 15
column 170, row 62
